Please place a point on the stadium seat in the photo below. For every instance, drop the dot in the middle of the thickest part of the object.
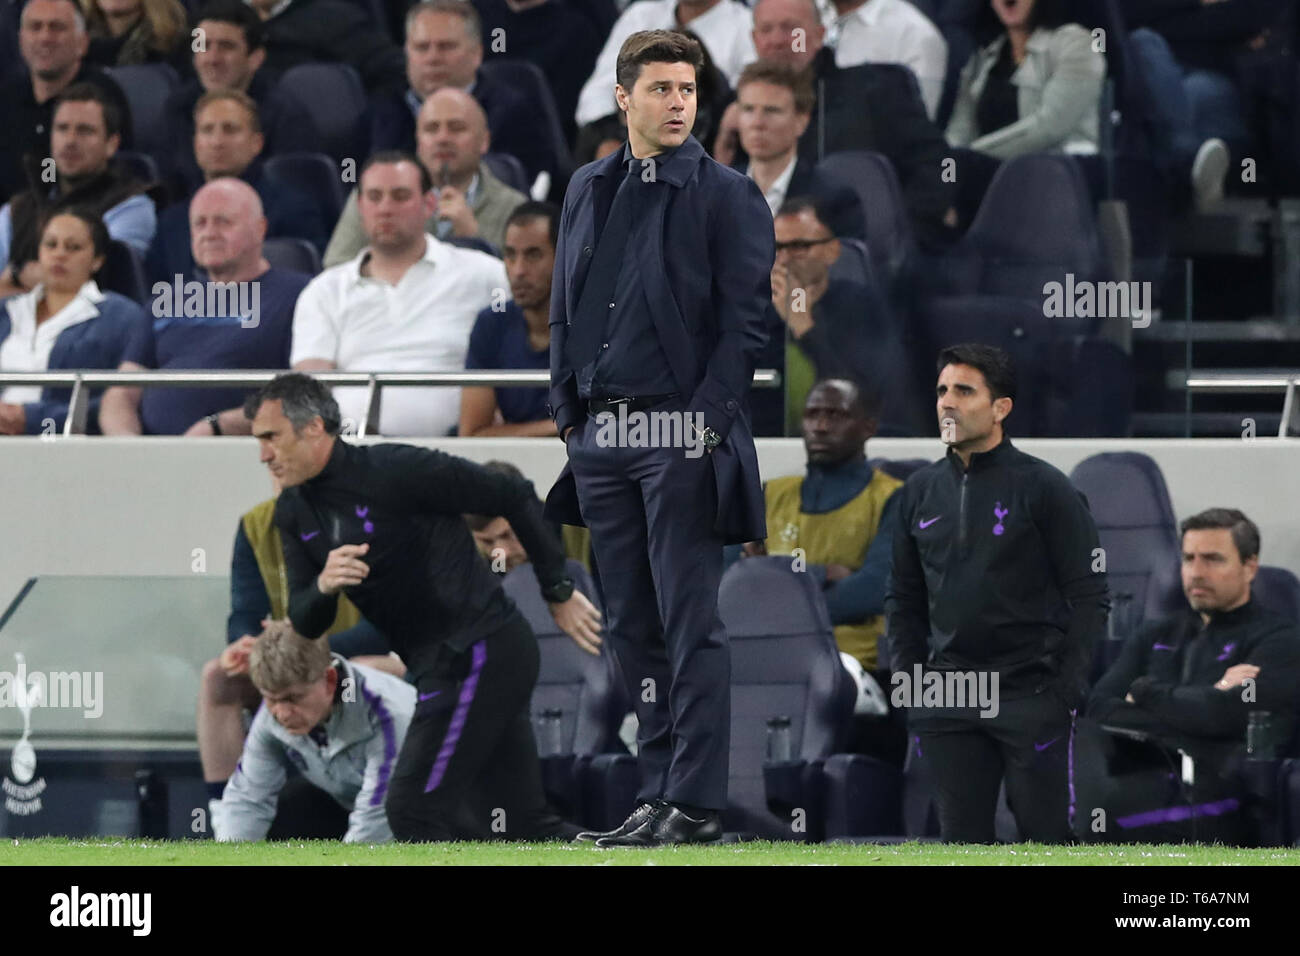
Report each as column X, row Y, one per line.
column 889, row 230
column 1278, row 590
column 581, row 687
column 1135, row 524
column 147, row 87
column 509, row 170
column 320, row 108
column 141, row 166
column 289, row 252
column 123, row 272
column 784, row 662
column 313, row 173
column 524, row 75
column 1035, row 225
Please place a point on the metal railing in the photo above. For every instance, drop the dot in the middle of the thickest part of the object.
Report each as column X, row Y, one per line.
column 82, row 382
column 1247, row 382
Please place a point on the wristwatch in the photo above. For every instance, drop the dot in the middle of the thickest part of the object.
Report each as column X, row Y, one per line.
column 710, row 438
column 559, row 592
column 215, row 423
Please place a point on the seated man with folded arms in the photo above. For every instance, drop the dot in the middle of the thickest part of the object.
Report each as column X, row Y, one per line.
column 1190, row 682
column 340, row 724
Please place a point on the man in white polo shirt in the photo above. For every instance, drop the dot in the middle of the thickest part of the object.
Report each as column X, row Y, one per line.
column 406, row 303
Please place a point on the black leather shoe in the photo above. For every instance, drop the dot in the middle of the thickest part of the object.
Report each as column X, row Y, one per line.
column 638, row 818
column 670, row 826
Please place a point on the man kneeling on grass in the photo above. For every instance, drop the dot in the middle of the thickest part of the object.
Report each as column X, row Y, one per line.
column 340, row 724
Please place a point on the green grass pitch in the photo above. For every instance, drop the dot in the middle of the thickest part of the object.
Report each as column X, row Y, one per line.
column 107, row 851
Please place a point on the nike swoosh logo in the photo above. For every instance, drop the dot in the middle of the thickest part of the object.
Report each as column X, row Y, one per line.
column 308, row 535
column 1161, row 647
column 430, row 695
column 926, row 524
column 1041, row 747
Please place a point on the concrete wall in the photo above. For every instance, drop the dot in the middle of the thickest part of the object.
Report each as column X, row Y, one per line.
column 162, row 506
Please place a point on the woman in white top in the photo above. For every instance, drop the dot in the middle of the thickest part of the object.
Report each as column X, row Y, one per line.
column 65, row 322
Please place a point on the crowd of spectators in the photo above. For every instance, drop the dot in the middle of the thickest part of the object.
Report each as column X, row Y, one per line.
column 497, row 100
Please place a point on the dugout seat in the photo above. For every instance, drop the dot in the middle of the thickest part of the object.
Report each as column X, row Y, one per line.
column 1278, row 590
column 784, row 663
column 1135, row 524
column 581, row 687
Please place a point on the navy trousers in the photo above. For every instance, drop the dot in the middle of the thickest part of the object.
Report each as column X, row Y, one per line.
column 651, row 512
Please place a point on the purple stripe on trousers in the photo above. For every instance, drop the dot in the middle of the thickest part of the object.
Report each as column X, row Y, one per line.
column 458, row 718
column 1174, row 814
column 390, row 745
column 1069, row 769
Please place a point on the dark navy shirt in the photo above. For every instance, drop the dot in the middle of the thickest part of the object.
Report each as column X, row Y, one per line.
column 632, row 363
column 222, row 340
column 500, row 340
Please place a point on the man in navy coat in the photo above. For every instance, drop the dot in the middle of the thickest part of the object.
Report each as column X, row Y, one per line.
column 662, row 276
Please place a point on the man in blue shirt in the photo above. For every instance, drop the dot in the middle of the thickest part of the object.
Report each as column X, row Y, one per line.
column 517, row 336
column 238, row 314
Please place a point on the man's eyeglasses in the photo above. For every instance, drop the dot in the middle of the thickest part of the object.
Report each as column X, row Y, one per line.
column 801, row 246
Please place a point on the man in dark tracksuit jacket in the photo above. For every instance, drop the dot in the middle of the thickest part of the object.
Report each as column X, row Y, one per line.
column 994, row 575
column 383, row 523
column 1189, row 683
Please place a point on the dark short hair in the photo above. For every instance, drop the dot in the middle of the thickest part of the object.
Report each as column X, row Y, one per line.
column 537, row 209
column 655, row 46
column 99, row 237
column 478, row 522
column 391, row 157
column 301, row 397
column 238, row 14
column 836, row 207
column 798, row 82
column 994, row 364
column 90, row 93
column 1245, row 535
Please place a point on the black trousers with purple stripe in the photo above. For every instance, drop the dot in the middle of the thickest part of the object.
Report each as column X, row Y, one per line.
column 1029, row 744
column 468, row 769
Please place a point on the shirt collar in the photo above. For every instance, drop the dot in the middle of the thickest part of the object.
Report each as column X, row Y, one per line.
column 776, row 192
column 981, row 459
column 84, row 305
column 673, row 165
column 853, row 468
column 336, row 462
column 434, row 251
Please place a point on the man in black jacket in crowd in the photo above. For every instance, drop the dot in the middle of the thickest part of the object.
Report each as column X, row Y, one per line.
column 875, row 106
column 1190, row 682
column 53, row 40
column 997, row 587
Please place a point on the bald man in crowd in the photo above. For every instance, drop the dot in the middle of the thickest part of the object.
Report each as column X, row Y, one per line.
column 243, row 319
column 451, row 137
